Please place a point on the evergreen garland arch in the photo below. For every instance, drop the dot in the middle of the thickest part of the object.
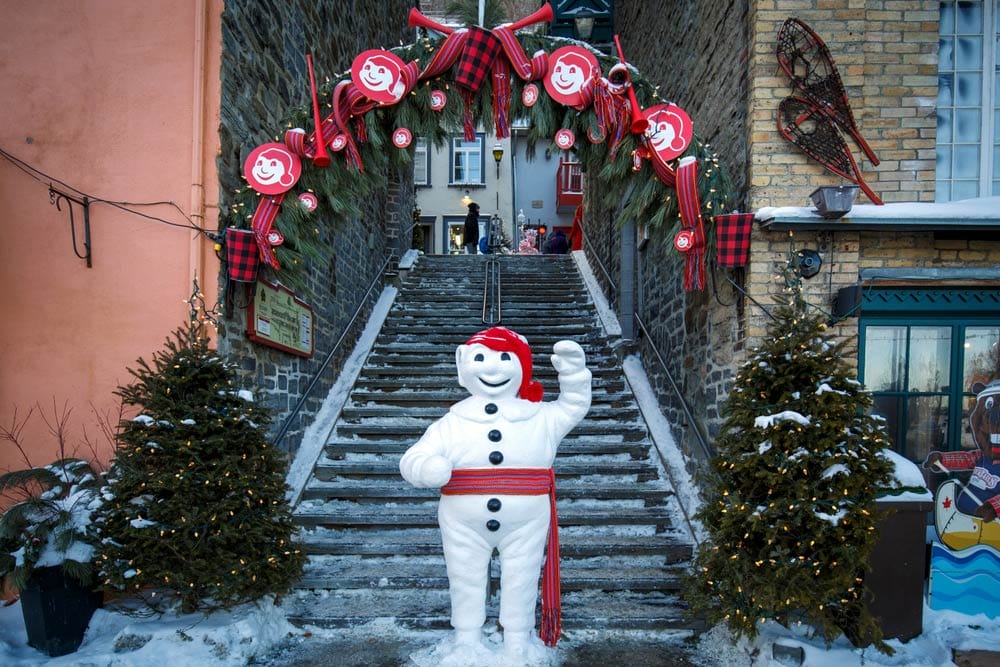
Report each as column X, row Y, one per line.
column 340, row 185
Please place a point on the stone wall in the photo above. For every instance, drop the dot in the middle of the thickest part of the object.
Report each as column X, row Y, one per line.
column 264, row 78
column 698, row 58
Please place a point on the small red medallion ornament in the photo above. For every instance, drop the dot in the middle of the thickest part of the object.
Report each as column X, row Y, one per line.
column 309, row 201
column 565, row 139
column 401, row 137
column 438, row 100
column 684, row 240
column 669, row 131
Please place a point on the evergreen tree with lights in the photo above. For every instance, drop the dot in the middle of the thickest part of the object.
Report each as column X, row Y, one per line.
column 789, row 497
column 195, row 509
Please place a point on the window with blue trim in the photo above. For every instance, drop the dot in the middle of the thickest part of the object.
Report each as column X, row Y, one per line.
column 467, row 161
column 920, row 353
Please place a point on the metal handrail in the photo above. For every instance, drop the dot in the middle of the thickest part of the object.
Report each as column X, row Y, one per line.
column 705, row 449
column 329, row 357
column 491, row 291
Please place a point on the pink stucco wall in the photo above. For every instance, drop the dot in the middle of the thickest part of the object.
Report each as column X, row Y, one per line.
column 119, row 100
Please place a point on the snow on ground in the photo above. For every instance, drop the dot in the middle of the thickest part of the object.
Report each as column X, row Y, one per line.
column 260, row 634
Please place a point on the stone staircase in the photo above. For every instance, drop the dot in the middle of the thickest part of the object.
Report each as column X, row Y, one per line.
column 373, row 541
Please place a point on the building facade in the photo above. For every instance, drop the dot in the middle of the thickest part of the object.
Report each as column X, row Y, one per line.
column 917, row 280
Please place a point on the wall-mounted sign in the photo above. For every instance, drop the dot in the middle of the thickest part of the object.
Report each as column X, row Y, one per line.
column 276, row 317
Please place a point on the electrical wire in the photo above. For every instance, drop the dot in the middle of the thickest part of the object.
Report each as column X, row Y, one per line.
column 46, row 179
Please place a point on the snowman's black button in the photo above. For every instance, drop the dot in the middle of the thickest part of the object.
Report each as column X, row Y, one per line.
column 491, row 408
column 493, row 525
column 495, row 436
column 496, row 458
column 494, row 504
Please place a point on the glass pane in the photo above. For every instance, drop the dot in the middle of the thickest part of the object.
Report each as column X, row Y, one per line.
column 968, row 124
column 966, row 163
column 947, row 17
column 945, row 97
column 964, row 190
column 926, row 426
column 944, row 127
column 969, row 89
column 967, row 441
column 970, row 18
column 930, row 358
column 942, row 191
column 969, row 53
column 981, row 350
column 885, row 353
column 890, row 408
column 946, row 47
column 996, row 186
column 944, row 162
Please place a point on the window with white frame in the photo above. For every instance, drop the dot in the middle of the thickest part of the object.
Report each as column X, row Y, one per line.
column 421, row 162
column 467, row 166
column 968, row 111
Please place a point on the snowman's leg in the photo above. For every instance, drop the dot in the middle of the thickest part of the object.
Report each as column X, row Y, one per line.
column 467, row 557
column 521, row 558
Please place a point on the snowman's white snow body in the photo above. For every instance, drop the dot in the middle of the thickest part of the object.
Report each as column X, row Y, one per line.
column 495, row 429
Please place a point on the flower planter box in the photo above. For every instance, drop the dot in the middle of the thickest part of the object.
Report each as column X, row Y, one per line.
column 57, row 609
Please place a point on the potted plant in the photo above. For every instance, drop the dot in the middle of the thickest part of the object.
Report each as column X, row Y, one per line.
column 47, row 546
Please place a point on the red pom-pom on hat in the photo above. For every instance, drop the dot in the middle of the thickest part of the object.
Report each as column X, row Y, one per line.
column 501, row 339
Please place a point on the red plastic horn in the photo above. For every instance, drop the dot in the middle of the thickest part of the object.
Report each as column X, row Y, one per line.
column 543, row 15
column 321, row 158
column 639, row 122
column 418, row 20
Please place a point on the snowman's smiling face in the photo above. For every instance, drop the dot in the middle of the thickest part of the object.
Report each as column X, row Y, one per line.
column 488, row 373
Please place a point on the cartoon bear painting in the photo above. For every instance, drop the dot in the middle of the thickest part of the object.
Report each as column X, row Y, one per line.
column 966, row 515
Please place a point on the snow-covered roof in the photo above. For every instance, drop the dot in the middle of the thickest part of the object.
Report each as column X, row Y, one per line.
column 981, row 213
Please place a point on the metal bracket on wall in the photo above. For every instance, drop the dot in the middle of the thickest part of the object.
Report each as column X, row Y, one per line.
column 55, row 196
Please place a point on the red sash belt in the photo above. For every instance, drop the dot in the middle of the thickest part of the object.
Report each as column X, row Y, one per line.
column 522, row 482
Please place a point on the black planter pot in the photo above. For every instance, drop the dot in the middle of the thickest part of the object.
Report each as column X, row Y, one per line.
column 57, row 609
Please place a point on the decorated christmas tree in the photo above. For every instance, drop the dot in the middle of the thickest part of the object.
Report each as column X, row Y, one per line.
column 195, row 504
column 790, row 494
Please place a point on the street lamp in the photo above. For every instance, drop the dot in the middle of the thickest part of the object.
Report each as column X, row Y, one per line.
column 584, row 22
column 498, row 155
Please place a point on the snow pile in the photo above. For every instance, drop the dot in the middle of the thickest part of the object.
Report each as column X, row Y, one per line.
column 221, row 639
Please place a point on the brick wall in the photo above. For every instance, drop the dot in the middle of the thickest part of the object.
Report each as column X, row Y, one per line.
column 264, row 78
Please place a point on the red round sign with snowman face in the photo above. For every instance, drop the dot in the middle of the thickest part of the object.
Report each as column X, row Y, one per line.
column 379, row 75
column 338, row 142
column 438, row 100
column 272, row 169
column 309, row 201
column 565, row 139
column 684, row 241
column 529, row 95
column 401, row 137
column 669, row 132
column 570, row 68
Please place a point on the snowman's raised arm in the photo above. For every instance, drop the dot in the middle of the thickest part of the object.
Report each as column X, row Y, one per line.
column 570, row 362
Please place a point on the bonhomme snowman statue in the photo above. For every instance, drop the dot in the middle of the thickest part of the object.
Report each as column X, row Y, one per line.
column 492, row 456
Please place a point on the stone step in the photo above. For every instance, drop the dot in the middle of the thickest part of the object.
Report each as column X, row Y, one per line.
column 355, row 413
column 377, row 541
column 338, row 448
column 431, row 609
column 314, row 513
column 455, row 393
column 405, row 573
column 630, row 432
column 392, row 489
